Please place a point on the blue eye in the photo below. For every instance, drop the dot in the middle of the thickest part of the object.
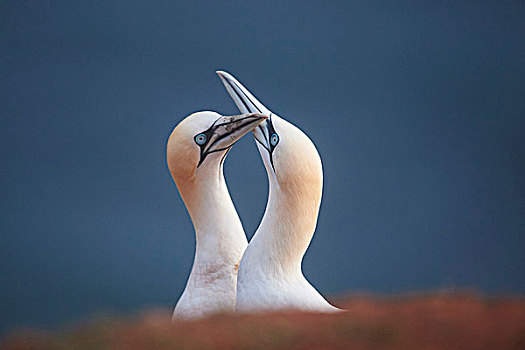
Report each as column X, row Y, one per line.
column 274, row 140
column 200, row 139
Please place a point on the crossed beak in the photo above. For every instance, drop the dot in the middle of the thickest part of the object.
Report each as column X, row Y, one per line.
column 247, row 103
column 227, row 130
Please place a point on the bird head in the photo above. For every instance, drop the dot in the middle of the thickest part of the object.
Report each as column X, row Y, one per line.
column 199, row 143
column 290, row 157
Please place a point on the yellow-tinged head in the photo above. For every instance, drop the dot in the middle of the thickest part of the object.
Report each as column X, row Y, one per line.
column 198, row 144
column 289, row 156
column 294, row 168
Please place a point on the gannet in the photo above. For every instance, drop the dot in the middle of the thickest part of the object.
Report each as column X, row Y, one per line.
column 196, row 151
column 270, row 275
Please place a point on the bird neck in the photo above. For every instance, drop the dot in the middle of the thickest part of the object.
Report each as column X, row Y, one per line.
column 287, row 226
column 220, row 237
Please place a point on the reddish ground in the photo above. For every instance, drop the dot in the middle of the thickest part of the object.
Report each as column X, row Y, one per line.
column 433, row 321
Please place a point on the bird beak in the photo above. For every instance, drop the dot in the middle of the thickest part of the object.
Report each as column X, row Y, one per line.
column 244, row 100
column 227, row 130
column 247, row 103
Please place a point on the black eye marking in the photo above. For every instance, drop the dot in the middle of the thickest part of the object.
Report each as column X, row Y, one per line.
column 204, row 138
column 269, row 126
column 272, row 134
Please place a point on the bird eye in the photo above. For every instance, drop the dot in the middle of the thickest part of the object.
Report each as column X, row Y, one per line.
column 200, row 139
column 274, row 139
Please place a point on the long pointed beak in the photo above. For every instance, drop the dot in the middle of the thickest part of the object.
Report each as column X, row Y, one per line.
column 227, row 130
column 245, row 101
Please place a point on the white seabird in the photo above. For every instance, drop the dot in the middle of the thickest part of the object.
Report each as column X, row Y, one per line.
column 270, row 275
column 195, row 152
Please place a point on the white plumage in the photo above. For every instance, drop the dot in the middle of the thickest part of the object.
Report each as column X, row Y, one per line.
column 195, row 152
column 270, row 275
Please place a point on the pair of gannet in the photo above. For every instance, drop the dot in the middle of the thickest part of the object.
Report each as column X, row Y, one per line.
column 228, row 273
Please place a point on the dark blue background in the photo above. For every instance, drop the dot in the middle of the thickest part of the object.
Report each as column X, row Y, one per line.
column 417, row 109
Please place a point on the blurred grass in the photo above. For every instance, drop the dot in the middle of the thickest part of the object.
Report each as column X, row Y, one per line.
column 419, row 321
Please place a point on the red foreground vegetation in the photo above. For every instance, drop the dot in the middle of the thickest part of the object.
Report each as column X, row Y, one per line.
column 431, row 321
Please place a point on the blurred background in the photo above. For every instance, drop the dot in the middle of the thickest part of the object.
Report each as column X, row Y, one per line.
column 416, row 107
